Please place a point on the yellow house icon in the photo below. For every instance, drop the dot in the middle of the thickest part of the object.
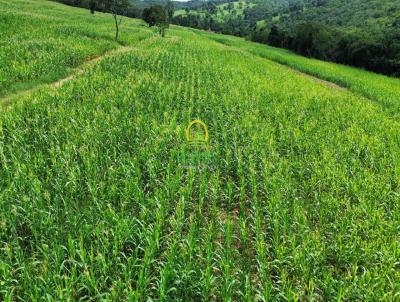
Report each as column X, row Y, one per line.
column 196, row 138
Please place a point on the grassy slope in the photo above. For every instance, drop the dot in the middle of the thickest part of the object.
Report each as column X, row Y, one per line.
column 382, row 89
column 300, row 201
column 40, row 46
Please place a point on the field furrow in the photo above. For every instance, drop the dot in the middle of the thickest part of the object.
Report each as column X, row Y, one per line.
column 295, row 197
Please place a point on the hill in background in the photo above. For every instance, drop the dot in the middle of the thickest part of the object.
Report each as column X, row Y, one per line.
column 102, row 198
column 360, row 33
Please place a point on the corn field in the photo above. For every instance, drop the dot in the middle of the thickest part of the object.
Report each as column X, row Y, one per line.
column 297, row 200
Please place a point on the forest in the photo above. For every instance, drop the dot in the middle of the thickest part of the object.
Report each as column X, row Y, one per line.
column 364, row 34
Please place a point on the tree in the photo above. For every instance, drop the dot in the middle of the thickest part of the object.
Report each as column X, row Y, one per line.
column 92, row 6
column 117, row 8
column 275, row 37
column 211, row 7
column 156, row 15
column 259, row 35
column 170, row 9
column 313, row 40
column 148, row 16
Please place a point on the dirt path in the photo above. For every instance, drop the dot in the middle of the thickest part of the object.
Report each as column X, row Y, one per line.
column 79, row 70
column 331, row 84
column 328, row 83
column 8, row 99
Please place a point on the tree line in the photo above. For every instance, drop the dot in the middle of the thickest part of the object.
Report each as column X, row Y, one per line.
column 156, row 15
column 375, row 51
column 358, row 33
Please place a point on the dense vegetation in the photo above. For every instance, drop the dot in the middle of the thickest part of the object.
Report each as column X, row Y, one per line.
column 359, row 33
column 297, row 200
column 43, row 49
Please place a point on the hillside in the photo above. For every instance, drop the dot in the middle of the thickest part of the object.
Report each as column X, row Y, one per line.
column 294, row 197
column 367, row 14
column 361, row 33
column 51, row 42
column 221, row 12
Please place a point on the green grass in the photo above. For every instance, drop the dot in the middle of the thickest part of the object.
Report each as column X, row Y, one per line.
column 297, row 200
column 379, row 88
column 41, row 46
column 179, row 12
